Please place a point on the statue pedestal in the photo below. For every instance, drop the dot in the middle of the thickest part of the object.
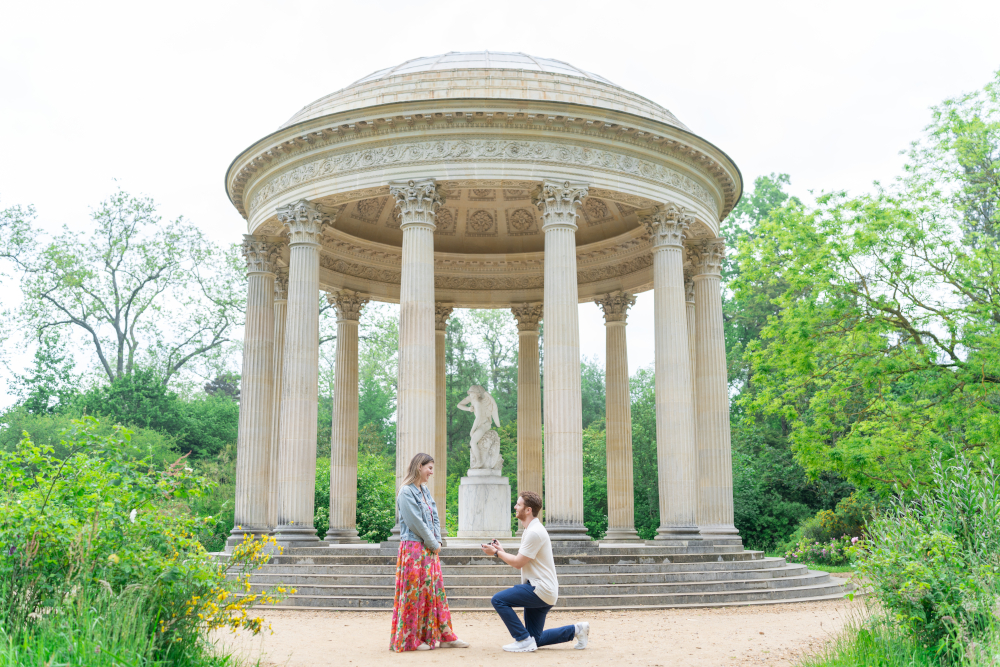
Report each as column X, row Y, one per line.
column 484, row 510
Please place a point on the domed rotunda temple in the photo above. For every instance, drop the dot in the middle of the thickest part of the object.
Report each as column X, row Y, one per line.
column 484, row 180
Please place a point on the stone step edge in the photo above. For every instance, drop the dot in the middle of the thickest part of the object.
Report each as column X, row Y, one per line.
column 479, row 610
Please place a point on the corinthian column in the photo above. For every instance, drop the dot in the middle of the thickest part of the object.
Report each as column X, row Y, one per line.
column 618, row 420
column 344, row 433
column 529, row 399
column 558, row 203
column 676, row 450
column 441, row 314
column 254, row 436
column 416, row 411
column 712, row 385
column 280, row 306
column 300, row 376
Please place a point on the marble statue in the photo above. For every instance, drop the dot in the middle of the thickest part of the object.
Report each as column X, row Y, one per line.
column 484, row 441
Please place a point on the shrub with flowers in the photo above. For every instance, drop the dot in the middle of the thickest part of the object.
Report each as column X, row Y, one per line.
column 835, row 552
column 100, row 528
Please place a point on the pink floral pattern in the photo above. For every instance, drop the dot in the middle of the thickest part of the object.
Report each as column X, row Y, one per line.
column 420, row 612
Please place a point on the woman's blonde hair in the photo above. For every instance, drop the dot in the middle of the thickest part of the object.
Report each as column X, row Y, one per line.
column 416, row 463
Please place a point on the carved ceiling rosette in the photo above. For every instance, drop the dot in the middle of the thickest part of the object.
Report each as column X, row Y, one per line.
column 303, row 220
column 706, row 256
column 442, row 312
column 348, row 304
column 615, row 305
column 261, row 255
column 528, row 315
column 668, row 226
column 559, row 202
column 417, row 202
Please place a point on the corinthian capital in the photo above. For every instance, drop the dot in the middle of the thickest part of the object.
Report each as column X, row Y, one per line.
column 442, row 312
column 348, row 304
column 303, row 221
column 528, row 315
column 261, row 256
column 559, row 202
column 615, row 306
column 281, row 285
column 668, row 226
column 417, row 201
column 706, row 256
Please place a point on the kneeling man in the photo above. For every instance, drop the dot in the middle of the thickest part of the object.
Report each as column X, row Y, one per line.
column 539, row 588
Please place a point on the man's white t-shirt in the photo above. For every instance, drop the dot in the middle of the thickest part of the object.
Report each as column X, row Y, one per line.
column 541, row 569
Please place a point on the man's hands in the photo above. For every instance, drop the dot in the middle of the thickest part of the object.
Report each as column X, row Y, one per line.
column 492, row 548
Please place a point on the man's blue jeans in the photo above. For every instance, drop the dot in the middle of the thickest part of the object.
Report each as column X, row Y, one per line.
column 535, row 611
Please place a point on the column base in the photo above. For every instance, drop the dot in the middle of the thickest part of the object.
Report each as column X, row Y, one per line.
column 236, row 536
column 568, row 533
column 342, row 536
column 678, row 533
column 296, row 536
column 719, row 530
column 618, row 535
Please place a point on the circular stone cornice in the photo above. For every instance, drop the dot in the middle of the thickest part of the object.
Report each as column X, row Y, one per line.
column 394, row 123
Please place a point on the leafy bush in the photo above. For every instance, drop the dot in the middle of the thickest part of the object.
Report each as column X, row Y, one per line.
column 835, row 552
column 98, row 519
column 376, row 497
column 933, row 558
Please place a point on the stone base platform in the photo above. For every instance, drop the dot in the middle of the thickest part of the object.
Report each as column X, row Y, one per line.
column 703, row 573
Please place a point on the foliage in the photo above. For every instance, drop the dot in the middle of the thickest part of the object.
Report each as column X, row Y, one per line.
column 127, row 287
column 849, row 518
column 376, row 497
column 836, row 551
column 933, row 559
column 885, row 347
column 50, row 384
column 595, row 479
column 645, row 484
column 97, row 520
column 762, row 515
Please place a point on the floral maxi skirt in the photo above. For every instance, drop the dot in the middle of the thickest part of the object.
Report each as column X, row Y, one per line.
column 420, row 613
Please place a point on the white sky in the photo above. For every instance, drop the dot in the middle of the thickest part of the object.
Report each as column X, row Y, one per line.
column 162, row 96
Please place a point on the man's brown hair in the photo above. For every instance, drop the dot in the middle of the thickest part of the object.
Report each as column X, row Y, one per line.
column 532, row 500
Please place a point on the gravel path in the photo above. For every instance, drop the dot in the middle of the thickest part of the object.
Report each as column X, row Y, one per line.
column 756, row 635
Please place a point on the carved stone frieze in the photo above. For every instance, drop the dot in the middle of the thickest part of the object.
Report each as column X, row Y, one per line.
column 303, row 220
column 417, row 202
column 706, row 256
column 616, row 270
column 348, row 304
column 420, row 153
column 559, row 202
column 442, row 312
column 261, row 255
column 615, row 305
column 374, row 273
column 528, row 315
column 667, row 226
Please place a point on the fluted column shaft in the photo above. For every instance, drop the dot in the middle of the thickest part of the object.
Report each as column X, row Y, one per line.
column 529, row 399
column 280, row 308
column 618, row 420
column 300, row 377
column 712, row 385
column 441, row 314
column 254, row 435
column 676, row 449
column 562, row 405
column 344, row 430
column 416, row 400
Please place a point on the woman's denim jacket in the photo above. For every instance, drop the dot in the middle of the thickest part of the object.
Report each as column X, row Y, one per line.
column 417, row 521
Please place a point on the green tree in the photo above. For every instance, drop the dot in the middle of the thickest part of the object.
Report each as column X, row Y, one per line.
column 129, row 288
column 50, row 384
column 885, row 347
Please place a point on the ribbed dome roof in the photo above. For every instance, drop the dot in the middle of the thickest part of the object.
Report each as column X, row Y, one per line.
column 460, row 75
column 482, row 60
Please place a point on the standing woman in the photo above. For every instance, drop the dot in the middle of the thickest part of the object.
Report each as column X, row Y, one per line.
column 420, row 616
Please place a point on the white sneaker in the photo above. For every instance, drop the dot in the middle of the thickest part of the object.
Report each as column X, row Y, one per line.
column 424, row 647
column 582, row 634
column 458, row 643
column 524, row 646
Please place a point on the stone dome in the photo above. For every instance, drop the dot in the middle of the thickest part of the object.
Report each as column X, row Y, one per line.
column 484, row 75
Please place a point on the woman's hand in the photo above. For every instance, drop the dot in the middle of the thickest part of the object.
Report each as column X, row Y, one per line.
column 436, row 551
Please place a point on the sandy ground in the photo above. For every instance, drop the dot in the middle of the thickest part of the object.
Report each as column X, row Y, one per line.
column 758, row 635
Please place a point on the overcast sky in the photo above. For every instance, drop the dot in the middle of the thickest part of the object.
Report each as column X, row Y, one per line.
column 162, row 96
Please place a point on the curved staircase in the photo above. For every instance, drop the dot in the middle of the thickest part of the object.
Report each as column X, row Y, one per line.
column 591, row 576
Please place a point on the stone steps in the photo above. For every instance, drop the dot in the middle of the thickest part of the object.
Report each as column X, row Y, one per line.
column 655, row 575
